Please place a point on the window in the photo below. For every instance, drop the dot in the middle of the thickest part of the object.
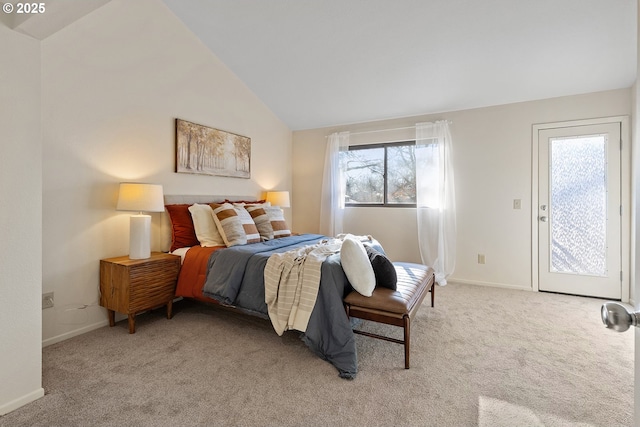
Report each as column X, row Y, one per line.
column 380, row 174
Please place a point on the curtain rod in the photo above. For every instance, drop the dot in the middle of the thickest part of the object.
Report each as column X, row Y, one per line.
column 386, row 130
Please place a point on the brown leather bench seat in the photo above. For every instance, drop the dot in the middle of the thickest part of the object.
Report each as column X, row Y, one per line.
column 395, row 307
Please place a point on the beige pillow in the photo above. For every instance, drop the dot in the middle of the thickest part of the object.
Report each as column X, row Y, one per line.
column 276, row 217
column 250, row 228
column 261, row 219
column 204, row 225
column 229, row 225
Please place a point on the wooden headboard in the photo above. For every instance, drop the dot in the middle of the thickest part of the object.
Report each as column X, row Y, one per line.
column 175, row 199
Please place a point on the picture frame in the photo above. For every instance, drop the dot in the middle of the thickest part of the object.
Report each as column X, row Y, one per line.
column 204, row 150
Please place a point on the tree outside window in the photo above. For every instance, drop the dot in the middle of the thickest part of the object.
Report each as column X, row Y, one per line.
column 380, row 174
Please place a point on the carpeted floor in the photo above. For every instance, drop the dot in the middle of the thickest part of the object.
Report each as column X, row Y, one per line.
column 482, row 357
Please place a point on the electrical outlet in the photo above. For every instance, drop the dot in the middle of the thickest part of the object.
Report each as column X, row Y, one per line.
column 481, row 259
column 517, row 204
column 47, row 300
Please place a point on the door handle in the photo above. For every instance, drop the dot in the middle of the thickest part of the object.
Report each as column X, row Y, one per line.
column 544, row 219
column 618, row 317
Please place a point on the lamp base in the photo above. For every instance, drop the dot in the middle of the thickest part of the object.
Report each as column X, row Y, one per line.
column 140, row 237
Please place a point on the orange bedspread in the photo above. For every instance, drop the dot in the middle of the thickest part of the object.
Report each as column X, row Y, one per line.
column 194, row 272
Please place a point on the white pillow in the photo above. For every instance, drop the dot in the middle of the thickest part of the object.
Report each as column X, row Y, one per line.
column 206, row 230
column 357, row 267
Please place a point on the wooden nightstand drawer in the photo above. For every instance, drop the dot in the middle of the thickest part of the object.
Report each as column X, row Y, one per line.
column 131, row 286
column 152, row 285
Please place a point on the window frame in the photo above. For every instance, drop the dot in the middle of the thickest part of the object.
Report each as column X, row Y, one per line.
column 385, row 203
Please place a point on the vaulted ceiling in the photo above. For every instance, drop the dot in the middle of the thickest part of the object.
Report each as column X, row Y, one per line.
column 319, row 63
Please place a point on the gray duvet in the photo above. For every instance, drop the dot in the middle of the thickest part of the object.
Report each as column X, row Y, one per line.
column 235, row 277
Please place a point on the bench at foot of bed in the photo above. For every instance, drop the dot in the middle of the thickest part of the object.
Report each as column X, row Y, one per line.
column 395, row 307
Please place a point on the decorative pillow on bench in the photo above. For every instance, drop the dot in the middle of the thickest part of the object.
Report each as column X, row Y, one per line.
column 383, row 269
column 356, row 266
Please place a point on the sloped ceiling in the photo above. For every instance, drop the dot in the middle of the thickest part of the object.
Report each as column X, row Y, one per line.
column 318, row 63
column 56, row 15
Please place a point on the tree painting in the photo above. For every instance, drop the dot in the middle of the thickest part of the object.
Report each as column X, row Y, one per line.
column 207, row 151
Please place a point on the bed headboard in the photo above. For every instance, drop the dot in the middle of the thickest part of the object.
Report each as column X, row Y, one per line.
column 174, row 199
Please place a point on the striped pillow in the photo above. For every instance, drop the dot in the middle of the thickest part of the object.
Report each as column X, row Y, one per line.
column 261, row 219
column 276, row 216
column 250, row 229
column 229, row 225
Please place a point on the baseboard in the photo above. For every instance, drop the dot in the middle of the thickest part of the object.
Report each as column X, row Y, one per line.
column 21, row 401
column 74, row 333
column 490, row 284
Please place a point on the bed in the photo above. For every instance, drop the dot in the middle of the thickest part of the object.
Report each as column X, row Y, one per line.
column 234, row 277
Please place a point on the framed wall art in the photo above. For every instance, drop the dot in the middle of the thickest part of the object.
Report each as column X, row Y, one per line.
column 208, row 151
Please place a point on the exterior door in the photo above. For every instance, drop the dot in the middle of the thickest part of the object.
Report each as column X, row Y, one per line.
column 579, row 210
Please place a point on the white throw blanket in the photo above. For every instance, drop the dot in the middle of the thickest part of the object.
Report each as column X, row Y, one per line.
column 291, row 282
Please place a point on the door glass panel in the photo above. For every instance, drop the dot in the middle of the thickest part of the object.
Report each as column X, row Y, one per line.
column 578, row 185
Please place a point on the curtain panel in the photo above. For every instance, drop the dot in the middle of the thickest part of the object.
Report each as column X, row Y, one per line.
column 435, row 198
column 333, row 186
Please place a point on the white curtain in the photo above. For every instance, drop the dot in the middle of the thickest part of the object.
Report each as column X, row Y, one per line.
column 435, row 198
column 333, row 186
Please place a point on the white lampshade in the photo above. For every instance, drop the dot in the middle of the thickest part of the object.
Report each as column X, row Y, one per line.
column 140, row 198
column 279, row 198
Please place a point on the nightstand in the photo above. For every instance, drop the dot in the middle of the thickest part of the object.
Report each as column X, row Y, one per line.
column 130, row 286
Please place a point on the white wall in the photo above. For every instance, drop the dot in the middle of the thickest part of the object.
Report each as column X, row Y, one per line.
column 112, row 85
column 492, row 162
column 20, row 221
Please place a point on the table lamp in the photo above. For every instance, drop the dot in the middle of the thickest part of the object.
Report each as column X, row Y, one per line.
column 279, row 198
column 141, row 198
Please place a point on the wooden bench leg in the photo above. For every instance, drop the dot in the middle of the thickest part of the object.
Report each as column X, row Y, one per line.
column 407, row 340
column 433, row 294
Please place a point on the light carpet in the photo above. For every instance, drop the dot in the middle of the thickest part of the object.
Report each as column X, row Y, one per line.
column 482, row 357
